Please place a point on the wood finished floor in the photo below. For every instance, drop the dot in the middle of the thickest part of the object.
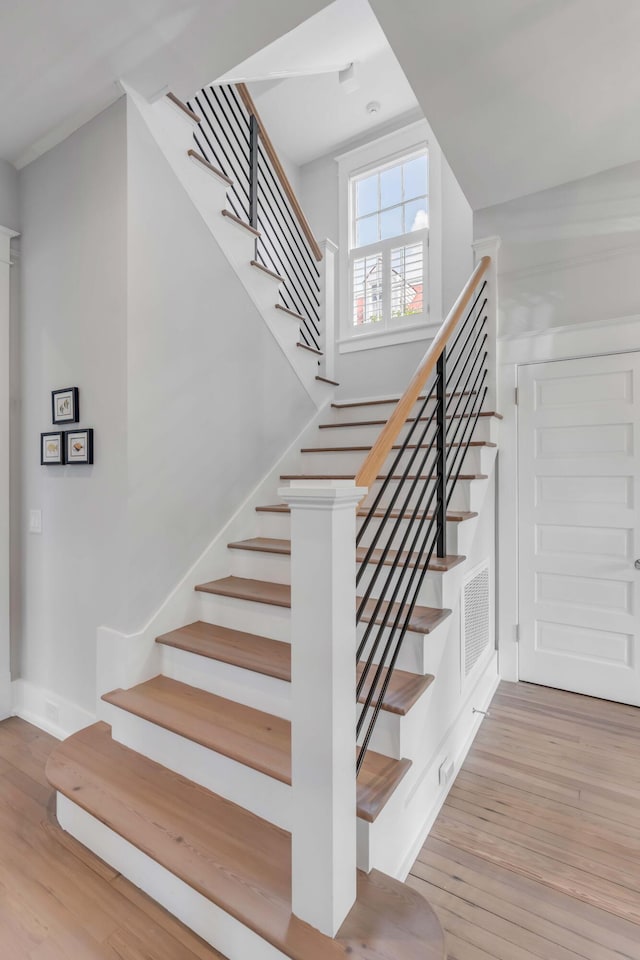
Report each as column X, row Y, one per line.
column 536, row 852
column 57, row 900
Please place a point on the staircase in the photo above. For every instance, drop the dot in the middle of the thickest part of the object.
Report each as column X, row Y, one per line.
column 253, row 774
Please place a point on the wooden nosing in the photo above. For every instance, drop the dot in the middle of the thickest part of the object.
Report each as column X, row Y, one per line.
column 453, row 516
column 350, row 476
column 185, row 109
column 290, row 313
column 379, row 423
column 270, row 273
column 247, row 226
column 272, row 658
column 304, row 346
column 334, row 383
column 209, row 166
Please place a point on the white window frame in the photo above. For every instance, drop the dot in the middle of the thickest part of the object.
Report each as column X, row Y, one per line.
column 380, row 153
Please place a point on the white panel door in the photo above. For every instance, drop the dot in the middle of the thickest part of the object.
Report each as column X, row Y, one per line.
column 579, row 525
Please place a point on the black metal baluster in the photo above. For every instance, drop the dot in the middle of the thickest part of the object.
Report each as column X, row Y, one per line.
column 442, row 456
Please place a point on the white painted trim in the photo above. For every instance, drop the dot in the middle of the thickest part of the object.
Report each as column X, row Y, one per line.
column 388, row 338
column 606, row 336
column 5, row 504
column 36, row 705
column 198, row 913
column 442, row 750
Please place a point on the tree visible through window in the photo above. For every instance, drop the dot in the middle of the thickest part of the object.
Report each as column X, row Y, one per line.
column 388, row 242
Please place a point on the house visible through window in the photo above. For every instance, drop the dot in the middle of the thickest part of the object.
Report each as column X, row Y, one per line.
column 389, row 221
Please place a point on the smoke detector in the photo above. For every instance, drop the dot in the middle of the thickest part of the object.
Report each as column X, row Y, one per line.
column 373, row 107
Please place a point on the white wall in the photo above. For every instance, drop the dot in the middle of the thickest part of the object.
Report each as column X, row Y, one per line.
column 213, row 402
column 387, row 369
column 570, row 254
column 72, row 332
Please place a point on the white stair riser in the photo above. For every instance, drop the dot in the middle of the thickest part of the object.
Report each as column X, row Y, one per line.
column 475, row 460
column 226, row 680
column 463, row 491
column 457, row 534
column 261, row 618
column 486, row 429
column 262, row 795
column 278, row 526
column 419, row 653
column 208, row 921
column 468, row 495
column 256, row 565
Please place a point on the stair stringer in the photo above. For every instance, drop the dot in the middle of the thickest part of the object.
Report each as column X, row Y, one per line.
column 171, row 130
column 441, row 725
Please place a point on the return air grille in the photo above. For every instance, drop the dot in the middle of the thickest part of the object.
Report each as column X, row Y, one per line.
column 476, row 623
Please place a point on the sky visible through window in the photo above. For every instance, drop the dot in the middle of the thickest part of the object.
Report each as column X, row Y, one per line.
column 391, row 202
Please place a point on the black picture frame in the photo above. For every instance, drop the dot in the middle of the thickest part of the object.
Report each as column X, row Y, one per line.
column 62, row 449
column 76, row 457
column 71, row 395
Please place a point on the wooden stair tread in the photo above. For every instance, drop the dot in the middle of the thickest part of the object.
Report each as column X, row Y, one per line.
column 403, row 691
column 209, row 166
column 305, row 346
column 410, row 446
column 241, row 223
column 251, row 737
column 270, row 273
column 351, row 476
column 256, row 739
column 291, row 313
column 333, row 383
column 247, row 650
column 453, row 516
column 283, row 548
column 423, row 620
column 273, row 658
column 233, row 858
column 185, row 109
column 344, row 404
column 381, row 423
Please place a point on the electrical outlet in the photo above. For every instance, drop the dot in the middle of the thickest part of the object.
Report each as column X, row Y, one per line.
column 445, row 772
column 35, row 521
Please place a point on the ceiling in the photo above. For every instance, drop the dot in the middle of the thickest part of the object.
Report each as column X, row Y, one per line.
column 60, row 62
column 522, row 94
column 312, row 114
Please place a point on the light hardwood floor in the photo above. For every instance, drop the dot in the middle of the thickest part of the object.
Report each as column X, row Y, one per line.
column 57, row 900
column 536, row 852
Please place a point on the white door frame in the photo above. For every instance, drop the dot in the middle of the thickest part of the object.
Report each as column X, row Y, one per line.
column 620, row 335
column 5, row 398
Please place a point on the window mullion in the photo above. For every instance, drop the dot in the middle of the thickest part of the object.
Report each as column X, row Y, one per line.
column 386, row 285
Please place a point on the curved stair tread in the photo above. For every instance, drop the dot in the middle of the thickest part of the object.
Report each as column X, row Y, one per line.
column 233, row 858
column 453, row 516
column 251, row 737
column 283, row 548
column 423, row 620
column 273, row 658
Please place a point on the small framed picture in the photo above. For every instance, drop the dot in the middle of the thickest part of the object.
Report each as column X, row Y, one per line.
column 79, row 446
column 66, row 405
column 52, row 448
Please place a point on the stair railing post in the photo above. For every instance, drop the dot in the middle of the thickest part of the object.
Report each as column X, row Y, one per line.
column 323, row 700
column 254, row 132
column 441, row 467
column 488, row 247
column 328, row 308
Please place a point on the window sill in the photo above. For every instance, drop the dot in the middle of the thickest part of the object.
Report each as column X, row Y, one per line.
column 388, row 338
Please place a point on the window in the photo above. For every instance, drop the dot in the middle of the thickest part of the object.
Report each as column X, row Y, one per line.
column 388, row 243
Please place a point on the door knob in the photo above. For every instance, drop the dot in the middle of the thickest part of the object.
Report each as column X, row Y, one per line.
column 637, row 564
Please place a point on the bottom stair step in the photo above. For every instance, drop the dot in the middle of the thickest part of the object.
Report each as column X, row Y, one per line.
column 232, row 858
column 250, row 737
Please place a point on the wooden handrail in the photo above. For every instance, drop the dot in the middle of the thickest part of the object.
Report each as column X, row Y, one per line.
column 247, row 99
column 390, row 432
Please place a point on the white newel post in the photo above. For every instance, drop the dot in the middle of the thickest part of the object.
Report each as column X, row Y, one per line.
column 323, row 675
column 328, row 308
column 488, row 247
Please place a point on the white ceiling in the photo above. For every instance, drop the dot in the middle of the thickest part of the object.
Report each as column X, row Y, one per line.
column 522, row 94
column 310, row 115
column 59, row 61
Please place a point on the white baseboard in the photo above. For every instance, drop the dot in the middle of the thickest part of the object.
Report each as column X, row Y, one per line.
column 47, row 710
